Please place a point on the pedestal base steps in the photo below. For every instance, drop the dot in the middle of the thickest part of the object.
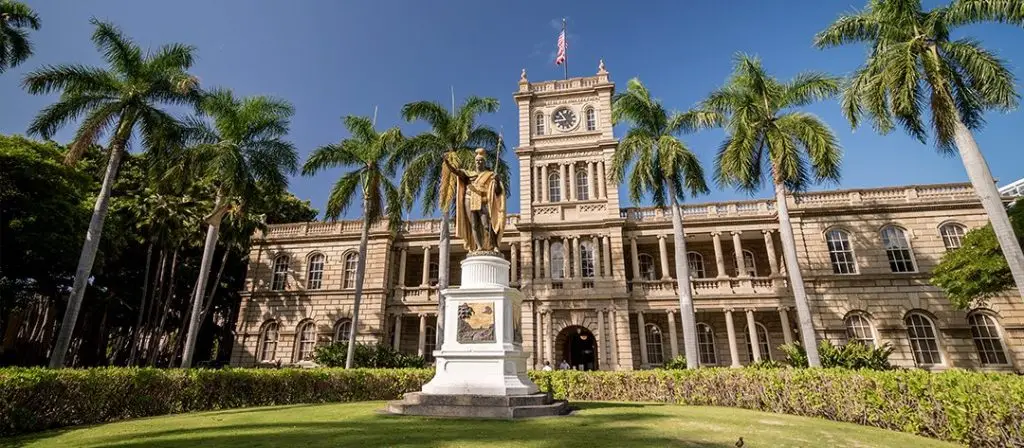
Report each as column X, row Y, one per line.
column 478, row 406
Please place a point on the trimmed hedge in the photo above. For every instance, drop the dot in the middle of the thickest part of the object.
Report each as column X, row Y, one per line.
column 980, row 409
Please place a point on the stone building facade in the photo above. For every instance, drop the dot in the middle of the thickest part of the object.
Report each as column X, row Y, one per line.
column 599, row 278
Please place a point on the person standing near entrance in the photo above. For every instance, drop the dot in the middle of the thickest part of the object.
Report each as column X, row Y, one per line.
column 547, row 366
column 564, row 365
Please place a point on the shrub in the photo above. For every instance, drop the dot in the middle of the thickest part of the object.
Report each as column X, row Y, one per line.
column 378, row 356
column 677, row 363
column 853, row 355
column 766, row 364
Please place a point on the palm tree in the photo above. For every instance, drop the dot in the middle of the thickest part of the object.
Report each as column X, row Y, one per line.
column 912, row 64
column 765, row 134
column 14, row 44
column 118, row 99
column 666, row 169
column 240, row 151
column 370, row 154
column 451, row 132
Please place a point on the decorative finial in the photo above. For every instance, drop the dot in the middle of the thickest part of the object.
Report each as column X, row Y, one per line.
column 600, row 68
column 522, row 76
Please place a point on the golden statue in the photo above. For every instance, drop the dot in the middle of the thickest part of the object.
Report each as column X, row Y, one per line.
column 479, row 205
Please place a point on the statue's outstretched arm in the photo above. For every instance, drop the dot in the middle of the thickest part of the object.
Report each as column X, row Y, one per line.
column 454, row 169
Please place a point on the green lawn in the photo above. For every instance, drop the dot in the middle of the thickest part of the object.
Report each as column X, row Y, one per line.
column 361, row 425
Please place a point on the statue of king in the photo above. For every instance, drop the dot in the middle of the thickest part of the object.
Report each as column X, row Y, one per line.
column 480, row 206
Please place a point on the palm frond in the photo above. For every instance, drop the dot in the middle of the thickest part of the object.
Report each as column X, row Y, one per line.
column 430, row 111
column 808, row 87
column 860, row 26
column 965, row 12
column 819, row 142
column 343, row 193
column 119, row 50
column 986, row 74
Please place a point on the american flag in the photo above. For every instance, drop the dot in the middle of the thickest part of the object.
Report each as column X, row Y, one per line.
column 560, row 59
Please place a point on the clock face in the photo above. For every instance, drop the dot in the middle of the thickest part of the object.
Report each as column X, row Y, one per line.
column 564, row 118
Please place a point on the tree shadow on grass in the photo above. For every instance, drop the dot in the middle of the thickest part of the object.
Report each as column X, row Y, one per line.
column 610, row 428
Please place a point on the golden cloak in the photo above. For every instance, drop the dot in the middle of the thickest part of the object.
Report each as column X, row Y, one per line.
column 483, row 192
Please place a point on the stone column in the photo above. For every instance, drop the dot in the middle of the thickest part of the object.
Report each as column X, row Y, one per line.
column 572, row 181
column 537, row 259
column 397, row 343
column 769, row 244
column 549, row 338
column 578, row 265
column 601, row 342
column 734, row 353
column 672, row 333
column 562, row 169
column 663, row 250
column 514, row 255
column 716, row 237
column 536, row 184
column 538, row 347
column 422, row 347
column 737, row 248
column 635, row 259
column 614, row 340
column 565, row 257
column 426, row 266
column 604, row 181
column 787, row 330
column 641, row 326
column 547, row 258
column 401, row 266
column 544, row 184
column 755, row 347
column 590, row 181
column 596, row 245
column 606, row 245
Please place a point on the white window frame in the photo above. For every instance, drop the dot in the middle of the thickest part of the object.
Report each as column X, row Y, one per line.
column 305, row 341
column 268, row 346
column 706, row 341
column 554, row 186
column 914, row 335
column 991, row 344
column 429, row 343
column 557, row 260
column 582, row 189
column 648, row 271
column 351, row 270
column 539, row 123
column 340, row 333
column 952, row 234
column 749, row 268
column 315, row 270
column 655, row 344
column 898, row 250
column 695, row 261
column 841, row 255
column 590, row 115
column 856, row 324
column 279, row 276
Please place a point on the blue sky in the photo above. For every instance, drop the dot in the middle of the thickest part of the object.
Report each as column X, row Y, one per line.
column 333, row 58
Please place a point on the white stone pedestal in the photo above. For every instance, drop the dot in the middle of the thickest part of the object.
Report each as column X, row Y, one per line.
column 482, row 353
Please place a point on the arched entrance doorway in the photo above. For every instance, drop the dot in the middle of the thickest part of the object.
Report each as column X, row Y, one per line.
column 577, row 348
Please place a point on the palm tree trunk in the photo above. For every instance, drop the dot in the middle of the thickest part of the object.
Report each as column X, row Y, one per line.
column 90, row 246
column 142, row 308
column 154, row 343
column 686, row 313
column 364, row 240
column 443, row 257
column 796, row 277
column 985, row 187
column 212, row 230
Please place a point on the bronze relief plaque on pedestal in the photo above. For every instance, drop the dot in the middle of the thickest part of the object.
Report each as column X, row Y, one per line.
column 476, row 322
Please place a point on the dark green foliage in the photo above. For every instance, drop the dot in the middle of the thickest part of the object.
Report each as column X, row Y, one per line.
column 379, row 356
column 16, row 19
column 853, row 355
column 677, row 363
column 977, row 270
column 766, row 364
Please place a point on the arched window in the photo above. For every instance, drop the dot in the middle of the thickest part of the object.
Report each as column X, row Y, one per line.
column 582, row 192
column 749, row 265
column 538, row 123
column 647, row 267
column 591, row 119
column 696, row 262
column 840, row 251
column 987, row 340
column 434, row 274
column 762, row 343
column 655, row 347
column 305, row 341
column 952, row 235
column 706, row 345
column 858, row 329
column 341, row 330
column 315, row 274
column 429, row 342
column 897, row 249
column 557, row 260
column 554, row 187
column 351, row 263
column 280, row 277
column 268, row 342
column 923, row 341
column 586, row 259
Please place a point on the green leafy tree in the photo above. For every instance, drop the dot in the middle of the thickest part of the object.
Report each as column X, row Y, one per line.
column 914, row 64
column 369, row 154
column 241, row 148
column 119, row 99
column 664, row 167
column 454, row 134
column 977, row 270
column 15, row 47
column 766, row 138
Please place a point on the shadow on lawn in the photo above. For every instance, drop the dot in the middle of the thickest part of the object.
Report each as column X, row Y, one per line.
column 624, row 428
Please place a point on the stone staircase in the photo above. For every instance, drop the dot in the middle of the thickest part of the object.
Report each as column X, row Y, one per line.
column 478, row 406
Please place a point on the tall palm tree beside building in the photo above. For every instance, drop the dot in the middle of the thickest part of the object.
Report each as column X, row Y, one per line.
column 242, row 150
column 913, row 64
column 121, row 98
column 765, row 137
column 15, row 18
column 665, row 168
column 370, row 155
column 451, row 131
